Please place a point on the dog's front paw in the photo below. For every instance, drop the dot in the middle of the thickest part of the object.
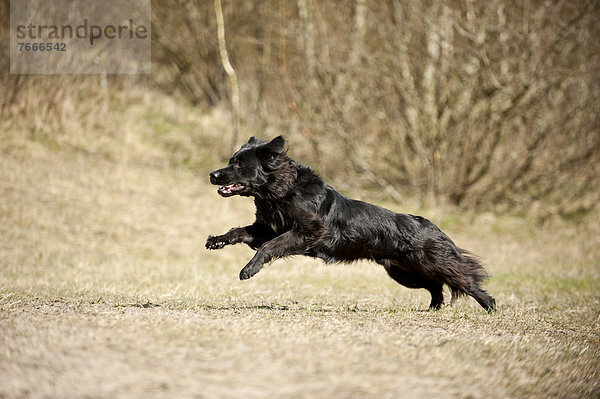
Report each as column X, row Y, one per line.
column 249, row 271
column 215, row 242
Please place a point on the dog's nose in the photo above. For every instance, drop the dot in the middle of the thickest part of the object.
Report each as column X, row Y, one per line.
column 214, row 176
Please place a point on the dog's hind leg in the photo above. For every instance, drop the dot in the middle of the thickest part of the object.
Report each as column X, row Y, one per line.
column 412, row 279
column 437, row 297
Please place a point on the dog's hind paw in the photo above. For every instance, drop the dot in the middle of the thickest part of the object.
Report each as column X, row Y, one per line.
column 491, row 308
column 215, row 243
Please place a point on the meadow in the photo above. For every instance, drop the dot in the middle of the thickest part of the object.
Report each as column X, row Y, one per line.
column 106, row 290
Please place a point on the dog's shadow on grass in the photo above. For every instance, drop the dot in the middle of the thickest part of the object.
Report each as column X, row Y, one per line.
column 145, row 305
column 277, row 307
column 313, row 308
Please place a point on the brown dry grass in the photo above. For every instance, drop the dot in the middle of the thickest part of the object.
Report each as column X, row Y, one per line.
column 106, row 291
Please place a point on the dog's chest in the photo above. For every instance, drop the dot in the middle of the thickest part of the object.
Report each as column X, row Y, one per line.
column 273, row 215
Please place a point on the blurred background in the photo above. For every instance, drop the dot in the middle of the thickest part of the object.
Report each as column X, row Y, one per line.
column 488, row 106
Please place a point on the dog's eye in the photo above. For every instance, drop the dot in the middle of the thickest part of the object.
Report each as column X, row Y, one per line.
column 239, row 164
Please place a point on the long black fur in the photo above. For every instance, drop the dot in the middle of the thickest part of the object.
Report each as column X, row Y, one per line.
column 298, row 214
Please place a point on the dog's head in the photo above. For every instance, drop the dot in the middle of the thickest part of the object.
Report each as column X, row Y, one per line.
column 250, row 170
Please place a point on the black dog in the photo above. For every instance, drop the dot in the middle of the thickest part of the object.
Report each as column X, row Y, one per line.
column 298, row 214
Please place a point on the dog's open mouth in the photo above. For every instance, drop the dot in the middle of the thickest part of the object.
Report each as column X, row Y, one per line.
column 230, row 189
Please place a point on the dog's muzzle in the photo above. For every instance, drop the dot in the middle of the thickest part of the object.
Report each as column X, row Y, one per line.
column 215, row 176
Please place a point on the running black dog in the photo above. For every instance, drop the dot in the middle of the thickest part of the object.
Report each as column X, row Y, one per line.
column 298, row 214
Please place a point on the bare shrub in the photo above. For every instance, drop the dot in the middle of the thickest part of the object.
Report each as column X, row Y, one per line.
column 487, row 106
column 484, row 105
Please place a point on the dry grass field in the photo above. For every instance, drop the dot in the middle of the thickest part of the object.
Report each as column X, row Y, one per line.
column 106, row 291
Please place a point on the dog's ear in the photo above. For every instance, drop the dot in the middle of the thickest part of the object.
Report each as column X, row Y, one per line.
column 273, row 149
column 252, row 140
column 277, row 145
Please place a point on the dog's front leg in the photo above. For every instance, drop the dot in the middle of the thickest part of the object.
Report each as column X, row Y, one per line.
column 254, row 235
column 233, row 236
column 289, row 243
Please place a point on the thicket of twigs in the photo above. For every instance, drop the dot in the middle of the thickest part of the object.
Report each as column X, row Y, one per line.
column 484, row 105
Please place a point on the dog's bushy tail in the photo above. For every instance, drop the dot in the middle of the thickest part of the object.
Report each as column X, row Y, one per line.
column 473, row 270
column 460, row 270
